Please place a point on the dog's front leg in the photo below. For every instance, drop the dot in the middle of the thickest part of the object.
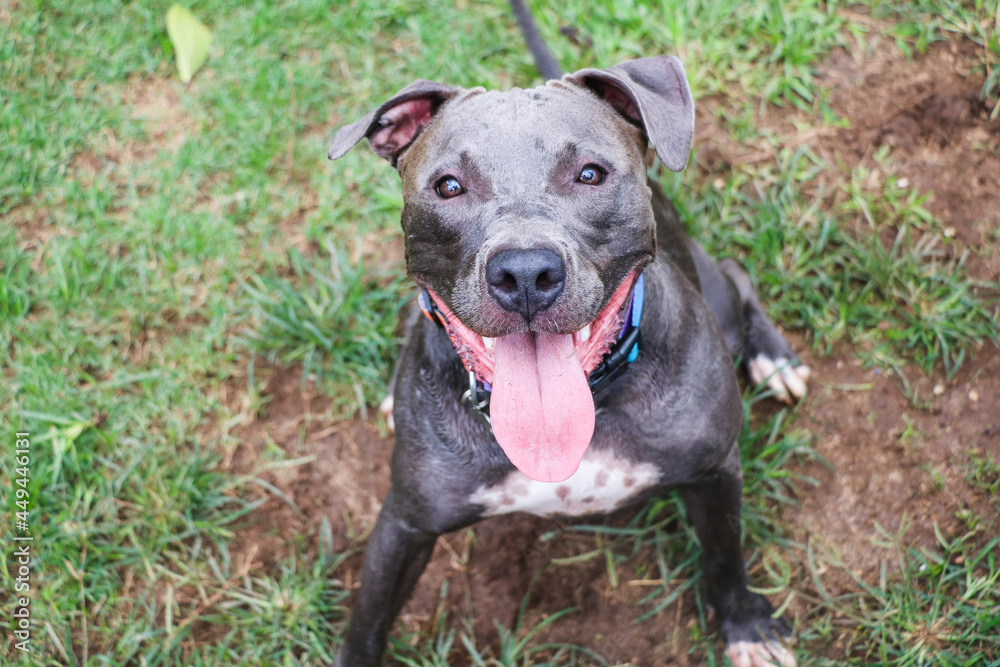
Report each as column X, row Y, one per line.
column 397, row 554
column 746, row 619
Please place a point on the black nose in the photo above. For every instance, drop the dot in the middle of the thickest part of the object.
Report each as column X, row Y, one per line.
column 525, row 281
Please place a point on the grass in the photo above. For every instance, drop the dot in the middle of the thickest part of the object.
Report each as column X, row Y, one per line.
column 766, row 49
column 338, row 323
column 159, row 239
column 943, row 610
column 875, row 270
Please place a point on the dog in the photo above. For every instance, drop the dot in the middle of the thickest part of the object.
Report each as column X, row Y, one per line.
column 573, row 351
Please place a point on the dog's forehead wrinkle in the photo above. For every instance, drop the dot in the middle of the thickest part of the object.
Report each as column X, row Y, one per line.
column 545, row 115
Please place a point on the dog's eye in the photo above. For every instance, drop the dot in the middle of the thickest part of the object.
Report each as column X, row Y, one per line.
column 591, row 174
column 449, row 187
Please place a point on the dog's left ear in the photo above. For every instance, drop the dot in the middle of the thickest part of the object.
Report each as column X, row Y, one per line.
column 395, row 124
column 652, row 93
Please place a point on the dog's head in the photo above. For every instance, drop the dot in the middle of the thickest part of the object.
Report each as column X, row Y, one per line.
column 527, row 216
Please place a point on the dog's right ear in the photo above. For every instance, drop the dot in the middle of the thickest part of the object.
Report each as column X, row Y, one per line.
column 395, row 124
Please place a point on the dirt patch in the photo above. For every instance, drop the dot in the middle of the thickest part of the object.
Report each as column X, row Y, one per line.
column 929, row 112
column 156, row 103
column 490, row 574
column 926, row 111
column 33, row 228
column 893, row 463
column 340, row 471
column 290, row 230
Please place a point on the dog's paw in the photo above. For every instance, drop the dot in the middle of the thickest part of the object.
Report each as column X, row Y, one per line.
column 787, row 378
column 385, row 407
column 759, row 654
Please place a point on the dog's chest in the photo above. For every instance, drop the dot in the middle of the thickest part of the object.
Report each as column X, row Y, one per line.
column 603, row 483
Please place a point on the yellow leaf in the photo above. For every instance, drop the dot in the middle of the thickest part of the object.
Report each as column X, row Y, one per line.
column 190, row 38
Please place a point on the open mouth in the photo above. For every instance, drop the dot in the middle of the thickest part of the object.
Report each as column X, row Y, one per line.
column 541, row 408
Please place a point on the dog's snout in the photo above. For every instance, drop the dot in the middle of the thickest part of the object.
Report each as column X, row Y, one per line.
column 525, row 281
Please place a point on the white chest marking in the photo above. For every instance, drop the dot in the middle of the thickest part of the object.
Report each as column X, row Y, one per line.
column 601, row 484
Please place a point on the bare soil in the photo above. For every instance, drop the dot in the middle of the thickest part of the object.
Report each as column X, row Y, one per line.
column 930, row 113
column 890, row 463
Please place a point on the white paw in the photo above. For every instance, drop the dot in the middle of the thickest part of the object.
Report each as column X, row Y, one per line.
column 759, row 654
column 784, row 379
column 385, row 407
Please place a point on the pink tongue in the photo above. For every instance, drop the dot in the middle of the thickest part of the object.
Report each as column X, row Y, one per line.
column 541, row 409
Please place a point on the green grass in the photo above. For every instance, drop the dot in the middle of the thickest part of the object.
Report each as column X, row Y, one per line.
column 338, row 323
column 150, row 253
column 914, row 25
column 942, row 611
column 767, row 49
column 984, row 474
column 874, row 269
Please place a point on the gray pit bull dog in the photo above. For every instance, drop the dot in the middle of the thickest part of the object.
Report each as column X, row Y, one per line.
column 542, row 252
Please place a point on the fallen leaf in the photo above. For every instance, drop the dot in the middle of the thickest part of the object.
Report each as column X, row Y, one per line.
column 190, row 38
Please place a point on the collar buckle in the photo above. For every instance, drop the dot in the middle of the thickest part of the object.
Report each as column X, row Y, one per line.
column 476, row 398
